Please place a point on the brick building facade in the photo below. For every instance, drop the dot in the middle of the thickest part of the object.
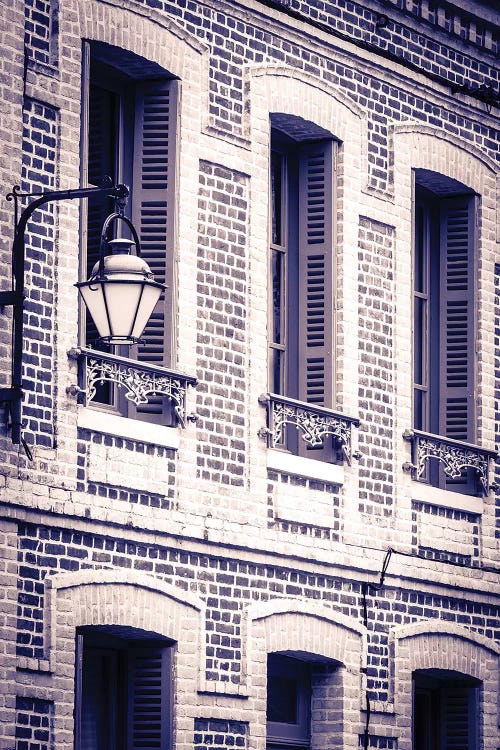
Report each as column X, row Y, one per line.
column 277, row 567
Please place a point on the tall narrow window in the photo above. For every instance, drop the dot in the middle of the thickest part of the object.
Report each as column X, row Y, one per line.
column 123, row 692
column 301, row 256
column 129, row 134
column 288, row 702
column 444, row 316
column 445, row 711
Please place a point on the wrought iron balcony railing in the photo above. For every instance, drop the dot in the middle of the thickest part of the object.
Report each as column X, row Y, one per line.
column 137, row 381
column 313, row 423
column 454, row 456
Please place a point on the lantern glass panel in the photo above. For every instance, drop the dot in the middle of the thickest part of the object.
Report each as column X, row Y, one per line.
column 150, row 296
column 122, row 301
column 93, row 297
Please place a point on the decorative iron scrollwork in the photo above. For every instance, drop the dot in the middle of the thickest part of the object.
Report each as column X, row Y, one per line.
column 314, row 423
column 139, row 381
column 456, row 457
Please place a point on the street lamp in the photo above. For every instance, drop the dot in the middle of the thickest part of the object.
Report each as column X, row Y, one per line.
column 120, row 293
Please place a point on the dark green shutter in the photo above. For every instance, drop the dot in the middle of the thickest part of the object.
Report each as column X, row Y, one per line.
column 457, row 322
column 149, row 698
column 153, row 199
column 316, row 300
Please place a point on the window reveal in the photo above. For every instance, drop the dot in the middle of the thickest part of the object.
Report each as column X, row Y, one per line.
column 123, row 696
column 444, row 323
column 302, row 293
column 130, row 135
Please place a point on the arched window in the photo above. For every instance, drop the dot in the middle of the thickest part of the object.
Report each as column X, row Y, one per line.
column 123, row 689
column 444, row 288
column 445, row 710
column 302, row 226
column 128, row 133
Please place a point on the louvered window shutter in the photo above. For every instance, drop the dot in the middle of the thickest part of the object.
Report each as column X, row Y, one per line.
column 457, row 322
column 149, row 683
column 316, row 293
column 98, row 711
column 459, row 718
column 153, row 216
column 101, row 161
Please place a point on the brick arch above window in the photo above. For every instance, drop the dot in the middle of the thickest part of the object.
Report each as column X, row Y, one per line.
column 302, row 628
column 451, row 631
column 436, row 645
column 287, row 90
column 325, row 89
column 430, row 645
column 152, row 35
column 119, row 598
column 427, row 147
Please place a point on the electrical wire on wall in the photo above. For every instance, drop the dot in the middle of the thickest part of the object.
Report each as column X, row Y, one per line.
column 365, row 589
column 375, row 587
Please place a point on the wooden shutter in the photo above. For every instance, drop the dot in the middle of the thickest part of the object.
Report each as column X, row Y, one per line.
column 98, row 711
column 316, row 274
column 149, row 683
column 153, row 199
column 101, row 161
column 315, row 283
column 459, row 717
column 457, row 321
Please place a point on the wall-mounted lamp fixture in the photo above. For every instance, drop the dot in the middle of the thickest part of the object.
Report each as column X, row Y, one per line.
column 120, row 293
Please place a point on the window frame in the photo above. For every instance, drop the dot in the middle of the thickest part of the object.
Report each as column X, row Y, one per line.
column 120, row 650
column 279, row 250
column 290, row 734
column 131, row 93
column 437, row 335
column 113, row 399
column 306, row 374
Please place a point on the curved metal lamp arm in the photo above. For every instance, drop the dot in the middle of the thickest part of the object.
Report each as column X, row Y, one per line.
column 13, row 395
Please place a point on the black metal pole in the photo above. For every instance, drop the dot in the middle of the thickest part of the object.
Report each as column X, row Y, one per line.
column 13, row 395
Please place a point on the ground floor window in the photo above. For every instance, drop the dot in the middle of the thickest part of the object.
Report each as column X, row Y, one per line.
column 123, row 690
column 445, row 710
column 288, row 702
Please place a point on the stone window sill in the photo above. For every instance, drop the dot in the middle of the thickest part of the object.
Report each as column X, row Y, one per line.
column 287, row 463
column 447, row 499
column 131, row 429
